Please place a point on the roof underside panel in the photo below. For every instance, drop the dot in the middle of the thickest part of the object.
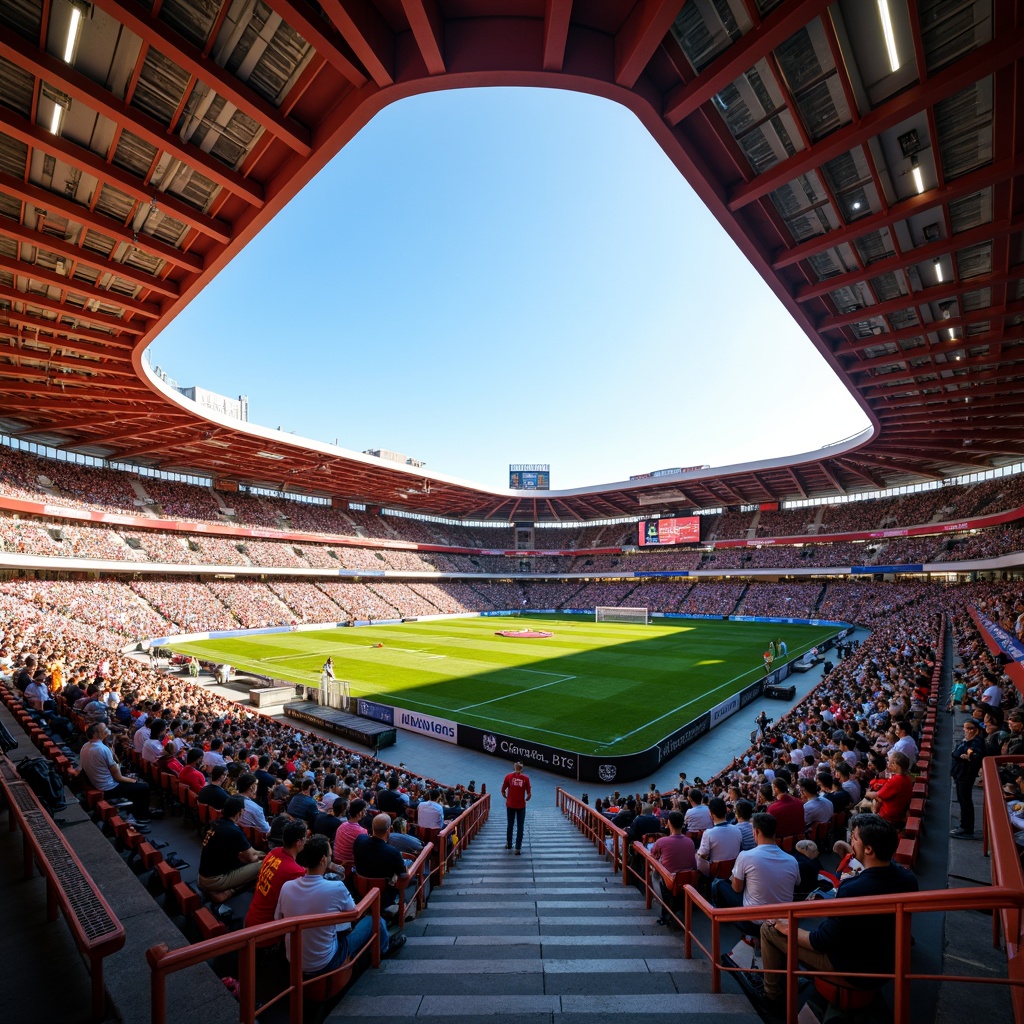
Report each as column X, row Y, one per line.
column 878, row 193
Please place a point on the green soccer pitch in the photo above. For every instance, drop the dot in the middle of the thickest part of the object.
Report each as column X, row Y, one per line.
column 596, row 688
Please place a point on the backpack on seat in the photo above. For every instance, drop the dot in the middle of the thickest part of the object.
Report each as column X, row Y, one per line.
column 44, row 781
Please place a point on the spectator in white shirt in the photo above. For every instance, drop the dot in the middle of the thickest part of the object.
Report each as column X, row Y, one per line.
column 721, row 842
column 698, row 817
column 905, row 744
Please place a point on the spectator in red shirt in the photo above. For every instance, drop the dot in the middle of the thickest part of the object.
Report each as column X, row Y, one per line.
column 278, row 867
column 190, row 774
column 787, row 811
column 516, row 791
column 889, row 798
column 675, row 852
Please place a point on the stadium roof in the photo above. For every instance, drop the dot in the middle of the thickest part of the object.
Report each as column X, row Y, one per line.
column 867, row 159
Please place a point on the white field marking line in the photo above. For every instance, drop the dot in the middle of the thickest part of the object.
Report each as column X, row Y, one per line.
column 706, row 693
column 518, row 693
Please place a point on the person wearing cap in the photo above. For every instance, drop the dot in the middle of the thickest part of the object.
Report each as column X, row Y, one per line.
column 516, row 790
column 967, row 757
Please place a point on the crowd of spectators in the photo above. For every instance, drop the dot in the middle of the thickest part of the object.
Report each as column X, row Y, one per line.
column 178, row 500
column 252, row 603
column 307, row 601
column 786, row 522
column 187, row 606
column 712, row 599
column 107, row 605
column 799, row 599
column 197, row 718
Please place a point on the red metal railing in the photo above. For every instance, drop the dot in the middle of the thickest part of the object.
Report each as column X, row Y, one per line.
column 457, row 835
column 164, row 962
column 1005, row 898
column 606, row 837
column 1006, row 873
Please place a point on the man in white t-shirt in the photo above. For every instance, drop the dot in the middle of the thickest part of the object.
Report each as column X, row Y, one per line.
column 765, row 874
column 103, row 772
column 429, row 812
column 721, row 842
column 905, row 744
column 326, row 948
column 698, row 817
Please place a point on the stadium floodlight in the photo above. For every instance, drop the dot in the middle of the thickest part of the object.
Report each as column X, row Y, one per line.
column 609, row 614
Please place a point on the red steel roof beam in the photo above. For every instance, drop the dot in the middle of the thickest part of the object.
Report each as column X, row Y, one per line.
column 77, row 313
column 147, row 128
column 934, row 327
column 970, row 183
column 641, row 34
column 921, row 254
column 427, row 24
column 69, row 284
column 106, row 356
column 114, row 346
column 102, row 264
column 191, row 59
column 323, row 37
column 36, row 136
column 45, row 199
column 936, row 293
column 557, row 14
column 982, row 62
column 362, row 26
column 777, row 27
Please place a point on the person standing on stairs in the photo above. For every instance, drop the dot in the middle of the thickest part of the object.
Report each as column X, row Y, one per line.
column 516, row 791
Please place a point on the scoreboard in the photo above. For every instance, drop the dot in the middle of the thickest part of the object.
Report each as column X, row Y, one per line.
column 529, row 478
column 684, row 530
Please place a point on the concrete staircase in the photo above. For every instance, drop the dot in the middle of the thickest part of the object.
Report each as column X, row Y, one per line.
column 546, row 937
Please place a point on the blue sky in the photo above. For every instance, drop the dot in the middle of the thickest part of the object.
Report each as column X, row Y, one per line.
column 509, row 275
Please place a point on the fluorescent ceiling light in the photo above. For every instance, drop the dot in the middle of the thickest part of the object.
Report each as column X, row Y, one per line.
column 938, row 271
column 918, row 180
column 890, row 36
column 952, row 334
column 73, row 29
column 55, row 120
column 270, row 455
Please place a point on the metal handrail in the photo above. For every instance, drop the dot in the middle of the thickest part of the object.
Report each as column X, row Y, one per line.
column 164, row 961
column 598, row 829
column 1006, row 872
column 1005, row 897
column 461, row 830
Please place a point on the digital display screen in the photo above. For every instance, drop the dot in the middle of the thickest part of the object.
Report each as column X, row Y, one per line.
column 685, row 530
column 520, row 480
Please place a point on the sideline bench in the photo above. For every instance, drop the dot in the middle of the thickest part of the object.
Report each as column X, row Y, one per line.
column 95, row 929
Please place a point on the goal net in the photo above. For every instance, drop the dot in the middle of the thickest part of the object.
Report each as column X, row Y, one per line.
column 602, row 614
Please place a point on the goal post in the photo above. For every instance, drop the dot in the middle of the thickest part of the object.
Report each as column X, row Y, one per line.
column 609, row 614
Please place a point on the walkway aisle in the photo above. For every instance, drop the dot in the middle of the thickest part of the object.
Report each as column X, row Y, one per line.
column 537, row 938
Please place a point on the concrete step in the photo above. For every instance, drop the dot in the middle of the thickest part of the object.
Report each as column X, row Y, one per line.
column 550, row 936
